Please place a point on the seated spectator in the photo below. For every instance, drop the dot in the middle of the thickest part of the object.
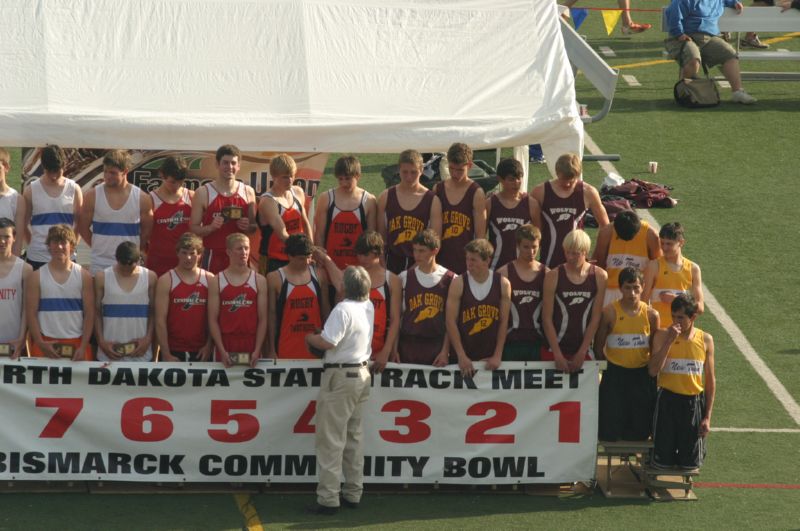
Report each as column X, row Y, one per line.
column 478, row 305
column 125, row 295
column 59, row 301
column 683, row 360
column 14, row 273
column 526, row 275
column 627, row 391
column 694, row 28
column 571, row 305
column 182, row 305
column 628, row 242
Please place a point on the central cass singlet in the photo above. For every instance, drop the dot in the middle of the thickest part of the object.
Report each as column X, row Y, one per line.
column 479, row 320
column 238, row 314
column 628, row 344
column 111, row 227
column 684, row 366
column 47, row 211
column 215, row 243
column 125, row 312
column 187, row 322
column 457, row 228
column 503, row 223
column 560, row 216
column 422, row 328
column 401, row 228
column 298, row 314
column 572, row 310
column 271, row 246
column 622, row 254
column 525, row 318
column 11, row 302
column 669, row 281
column 170, row 221
column 342, row 229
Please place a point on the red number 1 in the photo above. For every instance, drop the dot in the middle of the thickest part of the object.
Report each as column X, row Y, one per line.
column 569, row 421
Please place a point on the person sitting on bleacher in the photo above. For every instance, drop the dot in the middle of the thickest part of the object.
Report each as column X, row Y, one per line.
column 683, row 359
column 693, row 27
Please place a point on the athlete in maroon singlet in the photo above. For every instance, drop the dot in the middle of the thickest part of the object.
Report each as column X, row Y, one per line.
column 506, row 211
column 172, row 209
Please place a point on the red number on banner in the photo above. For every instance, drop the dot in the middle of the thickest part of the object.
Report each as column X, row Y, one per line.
column 134, row 420
column 569, row 421
column 504, row 414
column 67, row 410
column 303, row 424
column 246, row 425
column 417, row 430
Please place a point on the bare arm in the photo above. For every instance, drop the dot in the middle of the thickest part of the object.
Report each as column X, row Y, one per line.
column 320, row 220
column 24, row 231
column 710, row 384
column 273, row 290
column 268, row 215
column 505, row 308
column 393, row 328
column 594, row 321
column 601, row 248
column 451, row 320
column 213, row 320
column 435, row 221
column 261, row 331
column 381, row 221
column 247, row 224
column 301, row 196
column 661, row 344
column 87, row 214
column 649, row 280
column 147, row 341
column 607, row 320
column 653, row 244
column 146, row 218
column 99, row 291
column 162, row 311
column 19, row 343
column 371, row 208
column 479, row 213
column 536, row 207
column 20, row 221
column 697, row 289
column 595, row 204
column 199, row 206
column 77, row 209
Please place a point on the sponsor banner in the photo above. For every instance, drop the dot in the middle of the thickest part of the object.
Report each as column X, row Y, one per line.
column 524, row 423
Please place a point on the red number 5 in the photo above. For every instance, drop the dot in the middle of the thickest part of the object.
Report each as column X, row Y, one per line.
column 246, row 425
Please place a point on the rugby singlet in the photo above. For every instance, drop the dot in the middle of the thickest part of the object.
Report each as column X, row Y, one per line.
column 11, row 302
column 271, row 246
column 125, row 312
column 559, row 218
column 479, row 320
column 111, row 227
column 342, row 229
column 61, row 305
column 669, row 281
column 503, row 224
column 683, row 368
column 216, row 259
column 525, row 318
column 381, row 300
column 8, row 204
column 238, row 314
column 572, row 310
column 622, row 254
column 298, row 314
column 401, row 228
column 628, row 344
column 457, row 228
column 170, row 221
column 422, row 328
column 187, row 318
column 47, row 211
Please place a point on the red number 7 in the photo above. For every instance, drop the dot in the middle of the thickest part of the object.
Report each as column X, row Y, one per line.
column 67, row 410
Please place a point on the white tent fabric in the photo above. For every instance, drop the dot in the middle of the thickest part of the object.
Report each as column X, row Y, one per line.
column 298, row 75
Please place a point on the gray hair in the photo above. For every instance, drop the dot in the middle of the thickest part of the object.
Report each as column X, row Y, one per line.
column 356, row 283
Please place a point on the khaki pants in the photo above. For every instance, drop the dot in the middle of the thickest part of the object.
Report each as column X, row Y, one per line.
column 339, row 442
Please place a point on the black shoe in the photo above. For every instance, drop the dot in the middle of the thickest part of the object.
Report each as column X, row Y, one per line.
column 349, row 504
column 322, row 510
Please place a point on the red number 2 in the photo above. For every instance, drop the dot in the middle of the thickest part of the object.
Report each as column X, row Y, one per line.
column 504, row 414
column 67, row 410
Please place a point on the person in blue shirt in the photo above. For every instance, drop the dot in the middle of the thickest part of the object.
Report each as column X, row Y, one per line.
column 694, row 36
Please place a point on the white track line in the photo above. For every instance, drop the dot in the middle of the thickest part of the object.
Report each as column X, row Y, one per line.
column 715, row 308
column 631, row 80
column 608, row 52
column 757, row 430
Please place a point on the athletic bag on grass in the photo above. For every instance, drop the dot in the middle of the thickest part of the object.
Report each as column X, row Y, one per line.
column 642, row 194
column 695, row 93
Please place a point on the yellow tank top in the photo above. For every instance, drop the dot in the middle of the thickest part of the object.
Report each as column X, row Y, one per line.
column 669, row 281
column 628, row 343
column 683, row 369
column 622, row 254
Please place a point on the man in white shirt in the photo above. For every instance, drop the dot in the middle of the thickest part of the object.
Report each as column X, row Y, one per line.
column 346, row 340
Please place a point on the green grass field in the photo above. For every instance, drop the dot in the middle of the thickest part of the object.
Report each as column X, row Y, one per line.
column 733, row 168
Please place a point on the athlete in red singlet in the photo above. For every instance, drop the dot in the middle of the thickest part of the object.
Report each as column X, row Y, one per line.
column 237, row 305
column 298, row 304
column 182, row 305
column 172, row 209
column 221, row 208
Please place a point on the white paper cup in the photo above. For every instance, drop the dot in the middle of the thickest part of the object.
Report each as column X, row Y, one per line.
column 652, row 166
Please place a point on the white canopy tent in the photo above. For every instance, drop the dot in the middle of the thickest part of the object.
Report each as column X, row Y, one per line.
column 293, row 75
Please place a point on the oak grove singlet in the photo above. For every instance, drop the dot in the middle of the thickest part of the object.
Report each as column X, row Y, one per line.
column 559, row 218
column 187, row 315
column 381, row 300
column 401, row 228
column 622, row 254
column 668, row 281
column 683, row 368
column 47, row 211
column 298, row 314
column 61, row 305
column 628, row 344
column 503, row 223
column 342, row 229
column 572, row 310
column 11, row 298
column 111, row 227
column 457, row 228
column 125, row 313
column 238, row 314
column 422, row 327
column 271, row 246
column 479, row 320
column 525, row 317
column 170, row 222
column 217, row 203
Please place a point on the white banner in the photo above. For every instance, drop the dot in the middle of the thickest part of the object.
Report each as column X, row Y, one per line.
column 524, row 423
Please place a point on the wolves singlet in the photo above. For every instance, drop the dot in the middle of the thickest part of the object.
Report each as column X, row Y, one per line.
column 342, row 229
column 401, row 228
column 187, row 317
column 572, row 310
column 479, row 320
column 559, row 217
column 503, row 223
column 216, row 259
column 170, row 221
column 298, row 314
column 525, row 318
column 238, row 314
column 458, row 228
column 271, row 246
